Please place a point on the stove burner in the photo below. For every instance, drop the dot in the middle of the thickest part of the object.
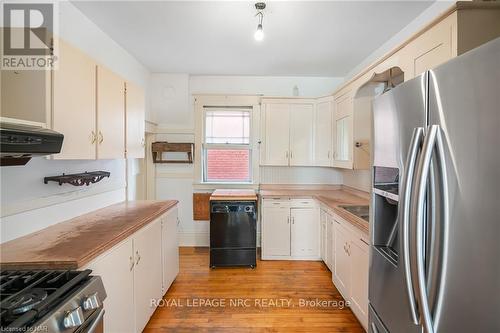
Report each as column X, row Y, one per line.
column 25, row 301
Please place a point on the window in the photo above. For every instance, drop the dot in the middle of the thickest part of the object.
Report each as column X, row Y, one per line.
column 227, row 145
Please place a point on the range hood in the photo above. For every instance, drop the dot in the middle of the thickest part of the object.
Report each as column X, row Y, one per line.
column 21, row 142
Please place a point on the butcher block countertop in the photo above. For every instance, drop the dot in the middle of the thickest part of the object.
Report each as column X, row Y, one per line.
column 329, row 198
column 74, row 243
column 234, row 195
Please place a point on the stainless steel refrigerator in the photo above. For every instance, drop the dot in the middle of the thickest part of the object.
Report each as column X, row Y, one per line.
column 435, row 227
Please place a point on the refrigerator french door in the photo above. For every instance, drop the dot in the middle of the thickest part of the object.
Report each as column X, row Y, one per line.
column 435, row 263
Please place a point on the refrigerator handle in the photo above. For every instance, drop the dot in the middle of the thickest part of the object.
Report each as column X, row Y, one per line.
column 432, row 140
column 442, row 242
column 407, row 181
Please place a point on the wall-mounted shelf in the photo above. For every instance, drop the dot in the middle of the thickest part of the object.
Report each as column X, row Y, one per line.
column 78, row 179
column 159, row 148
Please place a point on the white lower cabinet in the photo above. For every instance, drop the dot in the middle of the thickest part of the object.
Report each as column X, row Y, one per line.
column 305, row 232
column 147, row 272
column 330, row 242
column 323, row 246
column 133, row 273
column 290, row 230
column 350, row 274
column 170, row 249
column 342, row 271
column 116, row 269
column 359, row 279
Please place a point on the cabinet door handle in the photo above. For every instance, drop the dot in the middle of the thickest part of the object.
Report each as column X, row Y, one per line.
column 293, row 220
column 286, row 154
column 361, row 239
column 101, row 137
column 93, row 137
column 288, row 220
column 291, row 154
column 138, row 257
column 142, row 142
column 132, row 264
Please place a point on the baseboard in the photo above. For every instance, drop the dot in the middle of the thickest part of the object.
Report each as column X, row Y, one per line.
column 199, row 238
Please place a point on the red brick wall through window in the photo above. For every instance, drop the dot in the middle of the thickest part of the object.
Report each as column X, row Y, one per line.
column 228, row 165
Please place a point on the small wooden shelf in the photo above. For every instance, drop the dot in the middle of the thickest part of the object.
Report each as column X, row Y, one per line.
column 78, row 179
column 161, row 147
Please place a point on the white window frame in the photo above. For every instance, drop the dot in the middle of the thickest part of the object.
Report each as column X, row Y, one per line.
column 227, row 146
column 249, row 101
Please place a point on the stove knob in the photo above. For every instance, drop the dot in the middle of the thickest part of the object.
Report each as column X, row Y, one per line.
column 91, row 302
column 73, row 318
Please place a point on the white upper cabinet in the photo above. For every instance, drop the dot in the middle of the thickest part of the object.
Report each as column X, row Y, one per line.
column 74, row 98
column 110, row 114
column 301, row 134
column 134, row 117
column 323, row 132
column 342, row 156
column 276, row 126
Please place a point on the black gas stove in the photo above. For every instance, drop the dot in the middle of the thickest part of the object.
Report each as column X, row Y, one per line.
column 50, row 301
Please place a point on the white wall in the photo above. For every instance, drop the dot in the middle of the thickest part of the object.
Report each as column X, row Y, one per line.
column 29, row 205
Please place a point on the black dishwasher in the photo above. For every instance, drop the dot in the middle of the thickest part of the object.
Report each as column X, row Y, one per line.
column 233, row 233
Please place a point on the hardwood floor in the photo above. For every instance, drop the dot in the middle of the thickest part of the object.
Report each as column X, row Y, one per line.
column 286, row 283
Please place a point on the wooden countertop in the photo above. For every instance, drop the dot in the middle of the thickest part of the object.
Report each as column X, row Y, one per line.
column 74, row 243
column 329, row 198
column 233, row 195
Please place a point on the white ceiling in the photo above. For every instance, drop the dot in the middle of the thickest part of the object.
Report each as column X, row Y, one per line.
column 302, row 38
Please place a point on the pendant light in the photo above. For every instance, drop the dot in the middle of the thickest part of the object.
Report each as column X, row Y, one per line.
column 259, row 33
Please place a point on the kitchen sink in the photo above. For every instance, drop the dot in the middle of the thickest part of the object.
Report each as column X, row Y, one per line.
column 362, row 211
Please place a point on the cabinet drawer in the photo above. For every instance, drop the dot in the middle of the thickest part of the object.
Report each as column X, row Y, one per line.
column 276, row 202
column 303, row 203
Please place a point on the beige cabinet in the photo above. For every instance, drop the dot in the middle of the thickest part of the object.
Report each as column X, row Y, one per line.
column 358, row 253
column 305, row 233
column 343, row 145
column 25, row 96
column 287, row 132
column 351, row 267
column 323, row 132
column 135, row 105
column 276, row 231
column 74, row 103
column 432, row 48
column 147, row 272
column 116, row 271
column 110, row 114
column 275, row 134
column 301, row 134
column 290, row 229
column 342, row 268
column 89, row 109
column 137, row 271
column 170, row 248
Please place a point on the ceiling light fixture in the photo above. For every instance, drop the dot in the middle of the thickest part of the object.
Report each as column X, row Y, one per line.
column 259, row 33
